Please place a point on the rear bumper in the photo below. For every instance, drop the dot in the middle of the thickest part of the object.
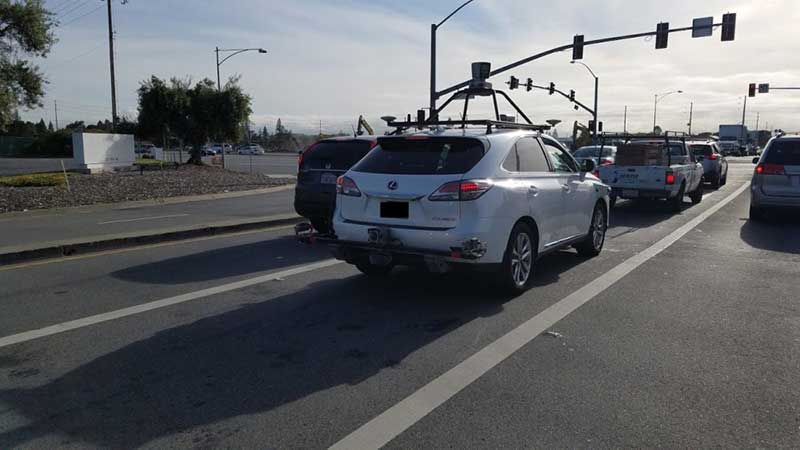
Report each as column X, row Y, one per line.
column 759, row 199
column 454, row 245
column 642, row 193
column 312, row 204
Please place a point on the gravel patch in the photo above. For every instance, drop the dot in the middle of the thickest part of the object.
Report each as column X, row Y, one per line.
column 129, row 186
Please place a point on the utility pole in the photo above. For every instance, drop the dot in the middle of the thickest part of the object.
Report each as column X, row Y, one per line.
column 111, row 60
column 691, row 110
column 625, row 121
column 758, row 118
column 744, row 113
column 55, row 106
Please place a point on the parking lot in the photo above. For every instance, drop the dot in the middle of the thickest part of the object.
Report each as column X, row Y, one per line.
column 684, row 332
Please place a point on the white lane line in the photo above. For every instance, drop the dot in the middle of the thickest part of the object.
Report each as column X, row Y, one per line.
column 389, row 424
column 142, row 218
column 138, row 309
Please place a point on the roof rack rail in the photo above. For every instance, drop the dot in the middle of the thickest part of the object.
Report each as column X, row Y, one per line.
column 498, row 124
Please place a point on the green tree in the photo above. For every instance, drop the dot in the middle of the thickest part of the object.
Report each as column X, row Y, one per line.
column 41, row 128
column 163, row 109
column 25, row 31
column 658, row 130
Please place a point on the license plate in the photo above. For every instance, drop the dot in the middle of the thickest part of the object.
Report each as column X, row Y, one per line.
column 627, row 193
column 394, row 210
column 328, row 178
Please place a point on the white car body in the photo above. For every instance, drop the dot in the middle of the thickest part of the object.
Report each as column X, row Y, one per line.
column 558, row 205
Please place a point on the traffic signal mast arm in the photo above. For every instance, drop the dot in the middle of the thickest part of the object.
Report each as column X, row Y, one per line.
column 568, row 47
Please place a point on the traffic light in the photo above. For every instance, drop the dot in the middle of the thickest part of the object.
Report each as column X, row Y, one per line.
column 662, row 35
column 529, row 85
column 577, row 47
column 728, row 27
column 763, row 88
column 572, row 96
column 513, row 83
column 591, row 125
column 752, row 90
column 552, row 88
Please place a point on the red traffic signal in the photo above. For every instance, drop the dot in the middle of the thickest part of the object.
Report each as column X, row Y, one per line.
column 752, row 90
column 728, row 27
column 577, row 47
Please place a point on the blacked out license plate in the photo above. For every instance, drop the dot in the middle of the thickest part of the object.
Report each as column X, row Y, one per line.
column 394, row 210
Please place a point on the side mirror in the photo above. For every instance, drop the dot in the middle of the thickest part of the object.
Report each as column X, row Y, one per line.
column 755, row 160
column 589, row 165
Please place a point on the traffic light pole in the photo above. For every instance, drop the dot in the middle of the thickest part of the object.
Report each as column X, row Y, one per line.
column 561, row 49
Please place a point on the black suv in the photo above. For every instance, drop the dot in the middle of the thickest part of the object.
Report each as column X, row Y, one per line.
column 318, row 168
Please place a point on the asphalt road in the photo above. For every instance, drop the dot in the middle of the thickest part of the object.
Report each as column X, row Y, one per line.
column 37, row 227
column 261, row 342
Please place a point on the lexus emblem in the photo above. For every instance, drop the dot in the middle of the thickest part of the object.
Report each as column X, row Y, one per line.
column 392, row 185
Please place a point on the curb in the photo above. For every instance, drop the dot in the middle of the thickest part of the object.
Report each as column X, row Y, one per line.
column 115, row 242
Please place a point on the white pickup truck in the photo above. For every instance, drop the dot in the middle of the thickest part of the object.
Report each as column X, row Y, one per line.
column 679, row 176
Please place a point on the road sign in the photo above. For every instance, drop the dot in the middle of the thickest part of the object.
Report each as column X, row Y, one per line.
column 662, row 35
column 763, row 88
column 702, row 27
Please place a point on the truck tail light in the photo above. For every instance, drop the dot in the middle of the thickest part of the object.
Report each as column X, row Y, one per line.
column 770, row 169
column 712, row 157
column 346, row 186
column 670, row 178
column 460, row 191
column 303, row 154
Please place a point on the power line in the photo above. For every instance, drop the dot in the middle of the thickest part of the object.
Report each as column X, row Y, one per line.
column 71, row 10
column 81, row 16
column 66, row 61
column 63, row 6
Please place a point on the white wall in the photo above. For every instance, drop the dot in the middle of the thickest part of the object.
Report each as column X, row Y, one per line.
column 99, row 152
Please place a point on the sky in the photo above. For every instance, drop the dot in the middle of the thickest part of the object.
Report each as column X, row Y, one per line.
column 330, row 61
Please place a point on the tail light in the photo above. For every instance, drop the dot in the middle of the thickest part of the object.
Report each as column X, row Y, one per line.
column 460, row 191
column 712, row 157
column 606, row 162
column 770, row 169
column 346, row 186
column 670, row 178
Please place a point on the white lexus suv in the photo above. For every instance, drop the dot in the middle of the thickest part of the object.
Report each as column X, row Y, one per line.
column 465, row 198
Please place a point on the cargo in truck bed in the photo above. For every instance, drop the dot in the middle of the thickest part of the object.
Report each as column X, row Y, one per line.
column 641, row 154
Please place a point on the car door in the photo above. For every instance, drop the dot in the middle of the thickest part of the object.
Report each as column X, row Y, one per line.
column 577, row 190
column 529, row 166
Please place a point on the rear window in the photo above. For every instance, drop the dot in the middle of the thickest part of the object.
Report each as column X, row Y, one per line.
column 675, row 149
column 337, row 155
column 588, row 152
column 430, row 156
column 784, row 152
column 704, row 150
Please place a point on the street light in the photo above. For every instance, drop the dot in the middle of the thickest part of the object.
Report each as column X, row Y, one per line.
column 233, row 52
column 658, row 98
column 434, row 27
column 596, row 86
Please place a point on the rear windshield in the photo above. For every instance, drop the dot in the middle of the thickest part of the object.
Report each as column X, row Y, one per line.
column 587, row 152
column 337, row 155
column 674, row 149
column 428, row 156
column 704, row 150
column 783, row 152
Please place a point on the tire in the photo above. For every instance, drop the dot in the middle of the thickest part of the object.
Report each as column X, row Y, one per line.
column 757, row 214
column 676, row 203
column 612, row 201
column 717, row 182
column 372, row 270
column 697, row 195
column 593, row 244
column 321, row 225
column 725, row 179
column 509, row 279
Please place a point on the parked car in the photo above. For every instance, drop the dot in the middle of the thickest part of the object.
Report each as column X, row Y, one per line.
column 776, row 179
column 211, row 150
column 460, row 199
column 145, row 151
column 675, row 175
column 602, row 155
column 318, row 167
column 715, row 164
column 251, row 149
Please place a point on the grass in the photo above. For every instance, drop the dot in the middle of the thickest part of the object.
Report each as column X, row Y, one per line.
column 33, row 180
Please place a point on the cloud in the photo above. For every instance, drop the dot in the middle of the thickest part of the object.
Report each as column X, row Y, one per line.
column 335, row 60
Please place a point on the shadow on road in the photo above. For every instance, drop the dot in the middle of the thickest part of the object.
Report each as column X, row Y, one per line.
column 780, row 233
column 638, row 214
column 334, row 333
column 225, row 262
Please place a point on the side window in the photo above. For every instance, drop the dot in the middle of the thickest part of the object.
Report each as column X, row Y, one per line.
column 562, row 162
column 511, row 163
column 531, row 156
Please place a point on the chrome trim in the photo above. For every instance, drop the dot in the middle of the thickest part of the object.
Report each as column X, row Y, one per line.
column 401, row 197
